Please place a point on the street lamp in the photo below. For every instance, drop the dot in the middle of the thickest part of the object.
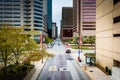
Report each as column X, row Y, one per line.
column 41, row 44
column 79, row 41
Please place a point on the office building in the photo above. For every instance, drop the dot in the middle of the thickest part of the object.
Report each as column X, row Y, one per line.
column 54, row 30
column 84, row 15
column 31, row 14
column 108, row 35
column 67, row 23
column 49, row 17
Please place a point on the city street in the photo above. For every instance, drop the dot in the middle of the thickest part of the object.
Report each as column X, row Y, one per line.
column 62, row 66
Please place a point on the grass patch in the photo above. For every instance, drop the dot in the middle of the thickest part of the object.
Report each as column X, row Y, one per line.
column 82, row 47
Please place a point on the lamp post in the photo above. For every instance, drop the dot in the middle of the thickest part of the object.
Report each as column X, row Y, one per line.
column 41, row 44
column 79, row 41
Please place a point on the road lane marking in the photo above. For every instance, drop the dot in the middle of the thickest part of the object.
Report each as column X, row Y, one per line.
column 52, row 68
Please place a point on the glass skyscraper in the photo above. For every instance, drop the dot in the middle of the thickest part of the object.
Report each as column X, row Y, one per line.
column 31, row 14
column 49, row 18
column 10, row 12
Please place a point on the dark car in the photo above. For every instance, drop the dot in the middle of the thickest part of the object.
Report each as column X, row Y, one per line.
column 58, row 44
column 68, row 51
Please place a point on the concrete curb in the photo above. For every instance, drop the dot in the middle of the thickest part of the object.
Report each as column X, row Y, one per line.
column 42, row 68
column 29, row 75
column 83, row 69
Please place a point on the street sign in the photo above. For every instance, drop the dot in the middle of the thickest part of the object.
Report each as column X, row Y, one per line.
column 78, row 52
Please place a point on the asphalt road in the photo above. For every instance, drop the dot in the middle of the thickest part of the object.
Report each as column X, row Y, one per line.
column 62, row 66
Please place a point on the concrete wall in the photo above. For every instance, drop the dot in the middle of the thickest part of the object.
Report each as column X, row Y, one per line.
column 107, row 46
column 104, row 37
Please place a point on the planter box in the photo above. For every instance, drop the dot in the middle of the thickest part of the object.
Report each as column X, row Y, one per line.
column 29, row 75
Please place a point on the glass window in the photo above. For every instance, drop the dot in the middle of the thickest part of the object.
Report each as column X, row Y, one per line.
column 1, row 8
column 16, row 4
column 38, row 2
column 7, row 20
column 7, row 12
column 38, row 6
column 1, row 4
column 36, row 25
column 16, row 20
column 16, row 24
column 16, row 0
column 1, row 12
column 16, row 16
column 116, row 19
column 16, row 12
column 116, row 35
column 7, row 4
column 16, row 8
column 7, row 8
column 37, row 10
column 7, row 16
column 39, row 18
column 1, row 20
column 1, row 16
column 39, row 14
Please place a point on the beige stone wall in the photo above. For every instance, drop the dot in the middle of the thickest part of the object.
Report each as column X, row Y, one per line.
column 104, row 33
column 116, row 30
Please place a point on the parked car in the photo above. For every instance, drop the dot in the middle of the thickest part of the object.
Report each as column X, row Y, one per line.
column 68, row 51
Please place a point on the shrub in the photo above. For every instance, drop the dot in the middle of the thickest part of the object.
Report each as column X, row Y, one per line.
column 15, row 72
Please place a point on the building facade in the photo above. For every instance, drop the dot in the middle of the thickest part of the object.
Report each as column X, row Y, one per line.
column 108, row 35
column 49, row 18
column 54, row 30
column 10, row 12
column 84, row 15
column 31, row 14
column 67, row 23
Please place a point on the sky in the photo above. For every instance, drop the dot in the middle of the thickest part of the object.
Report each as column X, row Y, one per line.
column 57, row 10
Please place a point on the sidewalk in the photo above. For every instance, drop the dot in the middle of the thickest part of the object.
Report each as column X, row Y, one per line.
column 38, row 66
column 93, row 72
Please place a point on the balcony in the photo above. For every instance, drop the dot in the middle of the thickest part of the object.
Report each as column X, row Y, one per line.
column 27, row 13
column 27, row 9
column 27, row 21
column 27, row 1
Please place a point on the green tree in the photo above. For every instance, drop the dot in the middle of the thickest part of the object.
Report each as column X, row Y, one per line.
column 74, row 40
column 37, row 55
column 15, row 44
column 6, row 43
column 91, row 40
column 19, row 43
column 48, row 40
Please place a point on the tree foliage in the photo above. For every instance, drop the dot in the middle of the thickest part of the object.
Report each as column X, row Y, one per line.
column 6, row 43
column 15, row 44
column 89, row 40
column 48, row 40
column 37, row 55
